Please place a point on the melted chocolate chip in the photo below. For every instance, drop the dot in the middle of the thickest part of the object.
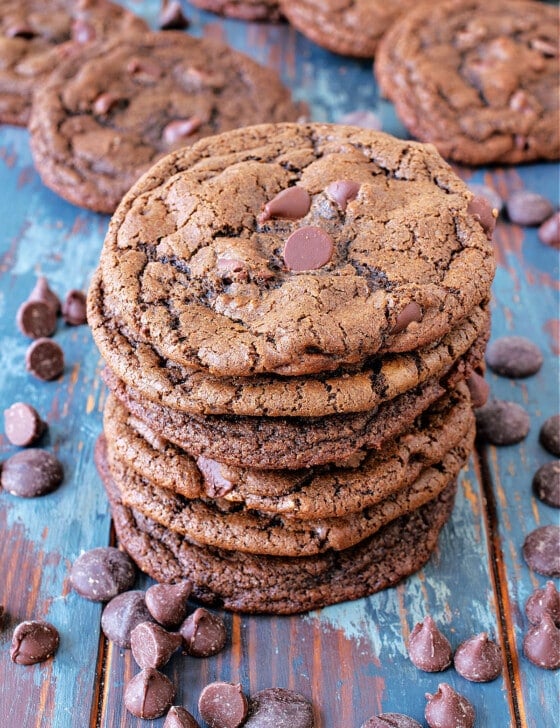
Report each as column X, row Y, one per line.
column 478, row 659
column 514, row 356
column 343, row 191
column 122, row 614
column 448, row 709
column 153, row 646
column 308, row 248
column 223, row 705
column 546, row 483
column 34, row 641
column 179, row 718
column 203, row 633
column 167, row 603
column 541, row 644
column 23, row 425
column 179, row 129
column 102, row 573
column 544, row 601
column 45, row 359
column 411, row 312
column 479, row 389
column 541, row 550
column 292, row 203
column 216, row 485
column 480, row 209
column 31, row 473
column 493, row 199
column 149, row 694
column 428, row 648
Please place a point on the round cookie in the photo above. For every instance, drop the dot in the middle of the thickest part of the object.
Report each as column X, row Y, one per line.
column 477, row 79
column 110, row 110
column 276, row 585
column 242, row 9
column 348, row 28
column 213, row 280
column 32, row 33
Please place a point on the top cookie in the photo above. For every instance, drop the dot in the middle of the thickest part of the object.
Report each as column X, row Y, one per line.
column 110, row 110
column 478, row 78
column 31, row 31
column 294, row 249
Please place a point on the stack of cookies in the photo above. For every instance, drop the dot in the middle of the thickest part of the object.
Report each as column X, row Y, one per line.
column 293, row 319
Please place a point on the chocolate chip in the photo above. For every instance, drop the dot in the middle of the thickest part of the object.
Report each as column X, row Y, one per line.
column 203, row 633
column 167, row 603
column 391, row 720
column 31, row 473
column 478, row 659
column 34, row 641
column 514, row 356
column 428, row 648
column 23, row 425
column 45, row 359
column 479, row 389
column 171, row 16
column 122, row 614
column 36, row 319
column 448, row 709
column 74, row 308
column 541, row 644
column 481, row 210
column 153, row 646
column 149, row 694
column 493, row 199
column 215, row 484
column 276, row 707
column 411, row 312
column 144, row 70
column 180, row 718
column 363, row 118
column 343, row 191
column 105, row 102
column 528, row 208
column 179, row 129
column 82, row 32
column 43, row 292
column 546, row 483
column 544, row 601
column 292, row 203
column 541, row 550
column 223, row 705
column 549, row 231
column 501, row 422
column 549, row 435
column 102, row 573
column 308, row 248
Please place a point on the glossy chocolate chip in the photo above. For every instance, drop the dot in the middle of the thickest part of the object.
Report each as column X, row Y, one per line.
column 541, row 550
column 223, row 705
column 179, row 129
column 171, row 16
column 448, row 709
column 546, row 483
column 544, row 601
column 31, row 473
column 152, row 645
column 493, row 199
column 215, row 483
column 428, row 648
column 178, row 717
column 549, row 435
column 276, row 707
column 308, row 248
column 23, row 425
column 292, row 203
column 74, row 308
column 479, row 389
column 34, row 641
column 482, row 211
column 410, row 313
column 102, row 573
column 391, row 720
column 36, row 319
column 203, row 633
column 549, row 231
column 149, row 694
column 167, row 603
column 478, row 659
column 541, row 644
column 514, row 356
column 501, row 422
column 45, row 359
column 528, row 208
column 122, row 614
column 343, row 191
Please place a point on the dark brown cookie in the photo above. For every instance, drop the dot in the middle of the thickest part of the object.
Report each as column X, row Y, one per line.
column 477, row 79
column 110, row 110
column 33, row 32
column 242, row 9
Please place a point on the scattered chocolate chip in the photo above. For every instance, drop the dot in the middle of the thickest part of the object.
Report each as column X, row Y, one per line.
column 171, row 16
column 45, row 359
column 203, row 633
column 343, row 191
column 74, row 308
column 179, row 129
column 493, row 199
column 428, row 648
column 149, row 694
column 546, row 483
column 292, row 203
column 122, row 614
column 481, row 210
column 308, row 248
column 180, row 718
column 514, row 356
column 167, row 603
column 528, row 208
column 152, row 645
column 43, row 292
column 541, row 644
column 549, row 435
column 23, row 425
column 501, row 422
column 448, row 709
column 549, row 231
column 411, row 312
column 363, row 118
column 478, row 659
column 31, row 473
column 543, row 601
column 34, row 641
column 479, row 389
column 102, row 573
column 223, row 705
column 391, row 720
column 276, row 707
column 36, row 319
column 541, row 550
column 105, row 102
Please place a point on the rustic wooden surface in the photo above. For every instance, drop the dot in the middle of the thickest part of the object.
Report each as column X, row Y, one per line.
column 350, row 659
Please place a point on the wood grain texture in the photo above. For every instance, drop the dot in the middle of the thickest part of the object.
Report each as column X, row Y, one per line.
column 350, row 658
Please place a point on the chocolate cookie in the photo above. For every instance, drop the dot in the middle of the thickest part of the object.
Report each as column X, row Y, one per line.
column 349, row 28
column 339, row 243
column 277, row 585
column 110, row 110
column 477, row 79
column 33, row 33
column 242, row 9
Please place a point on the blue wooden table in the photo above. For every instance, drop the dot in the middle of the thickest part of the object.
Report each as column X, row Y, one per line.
column 349, row 659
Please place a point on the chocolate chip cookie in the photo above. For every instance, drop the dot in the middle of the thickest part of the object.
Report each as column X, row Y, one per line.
column 242, row 9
